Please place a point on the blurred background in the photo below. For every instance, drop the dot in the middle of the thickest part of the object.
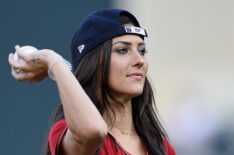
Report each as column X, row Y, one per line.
column 191, row 57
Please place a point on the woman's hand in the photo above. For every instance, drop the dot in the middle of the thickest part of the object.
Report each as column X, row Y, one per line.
column 36, row 64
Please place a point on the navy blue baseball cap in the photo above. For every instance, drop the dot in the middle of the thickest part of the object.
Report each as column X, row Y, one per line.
column 99, row 27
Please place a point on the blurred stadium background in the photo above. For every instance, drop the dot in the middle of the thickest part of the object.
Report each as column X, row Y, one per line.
column 191, row 57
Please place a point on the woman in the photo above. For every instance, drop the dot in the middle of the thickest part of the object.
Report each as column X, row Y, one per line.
column 108, row 106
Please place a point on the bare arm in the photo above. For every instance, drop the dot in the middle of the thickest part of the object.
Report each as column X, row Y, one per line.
column 86, row 128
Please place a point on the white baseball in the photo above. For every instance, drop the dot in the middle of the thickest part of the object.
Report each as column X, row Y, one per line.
column 26, row 50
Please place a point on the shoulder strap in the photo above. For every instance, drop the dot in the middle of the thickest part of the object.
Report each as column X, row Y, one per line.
column 117, row 145
column 98, row 150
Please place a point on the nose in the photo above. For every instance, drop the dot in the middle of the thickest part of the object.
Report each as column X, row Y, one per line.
column 138, row 59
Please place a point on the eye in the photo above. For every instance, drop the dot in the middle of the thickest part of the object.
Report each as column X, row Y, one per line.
column 122, row 50
column 142, row 51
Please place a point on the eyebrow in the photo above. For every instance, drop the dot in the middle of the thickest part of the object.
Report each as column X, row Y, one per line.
column 128, row 43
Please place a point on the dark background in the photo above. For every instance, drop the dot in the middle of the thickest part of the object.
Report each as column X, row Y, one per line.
column 25, row 108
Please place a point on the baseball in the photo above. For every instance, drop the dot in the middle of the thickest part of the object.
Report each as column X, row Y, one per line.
column 26, row 50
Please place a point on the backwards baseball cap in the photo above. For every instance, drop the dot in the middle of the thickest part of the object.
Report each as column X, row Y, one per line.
column 99, row 27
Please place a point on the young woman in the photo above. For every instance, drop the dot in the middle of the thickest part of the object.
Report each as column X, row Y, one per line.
column 107, row 102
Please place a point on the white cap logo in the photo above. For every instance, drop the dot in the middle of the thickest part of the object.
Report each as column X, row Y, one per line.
column 136, row 30
column 81, row 47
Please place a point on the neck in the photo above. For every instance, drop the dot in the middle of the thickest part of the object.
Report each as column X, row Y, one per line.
column 124, row 121
column 124, row 117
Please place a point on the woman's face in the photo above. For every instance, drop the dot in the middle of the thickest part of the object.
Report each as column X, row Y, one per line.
column 128, row 66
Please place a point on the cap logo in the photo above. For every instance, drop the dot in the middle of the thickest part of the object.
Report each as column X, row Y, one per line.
column 81, row 47
column 136, row 30
column 128, row 29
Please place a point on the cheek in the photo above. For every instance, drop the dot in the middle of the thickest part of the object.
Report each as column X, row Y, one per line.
column 117, row 74
column 117, row 71
column 146, row 67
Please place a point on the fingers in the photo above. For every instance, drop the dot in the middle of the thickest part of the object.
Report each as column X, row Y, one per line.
column 19, row 76
column 17, row 47
column 18, row 64
column 23, row 76
column 12, row 62
column 19, row 52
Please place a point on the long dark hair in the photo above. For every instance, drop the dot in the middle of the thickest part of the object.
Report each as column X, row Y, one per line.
column 96, row 65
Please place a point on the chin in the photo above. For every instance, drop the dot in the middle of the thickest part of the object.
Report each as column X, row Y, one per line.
column 130, row 91
column 136, row 92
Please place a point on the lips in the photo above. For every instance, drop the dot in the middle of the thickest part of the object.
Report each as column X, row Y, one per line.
column 137, row 76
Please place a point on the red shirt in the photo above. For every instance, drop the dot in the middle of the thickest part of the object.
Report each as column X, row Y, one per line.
column 110, row 145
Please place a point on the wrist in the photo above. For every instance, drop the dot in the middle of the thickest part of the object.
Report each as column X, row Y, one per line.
column 54, row 59
column 51, row 57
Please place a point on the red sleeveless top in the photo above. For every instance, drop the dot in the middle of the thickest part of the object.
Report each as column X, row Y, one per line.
column 110, row 146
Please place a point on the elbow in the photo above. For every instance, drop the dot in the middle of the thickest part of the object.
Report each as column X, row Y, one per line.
column 96, row 133
column 92, row 135
column 98, row 136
